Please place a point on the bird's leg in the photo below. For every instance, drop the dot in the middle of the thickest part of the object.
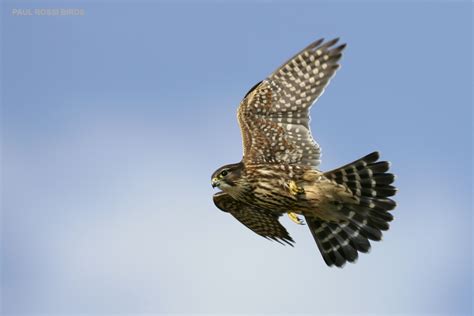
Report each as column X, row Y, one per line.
column 295, row 189
column 295, row 218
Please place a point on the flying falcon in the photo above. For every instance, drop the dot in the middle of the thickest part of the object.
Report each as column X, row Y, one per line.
column 343, row 208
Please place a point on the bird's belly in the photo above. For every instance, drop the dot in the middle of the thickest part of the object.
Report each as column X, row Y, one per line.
column 315, row 200
column 272, row 198
column 285, row 192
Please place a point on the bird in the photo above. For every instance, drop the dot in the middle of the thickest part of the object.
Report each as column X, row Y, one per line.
column 279, row 174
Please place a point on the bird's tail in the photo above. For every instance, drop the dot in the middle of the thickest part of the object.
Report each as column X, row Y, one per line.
column 370, row 183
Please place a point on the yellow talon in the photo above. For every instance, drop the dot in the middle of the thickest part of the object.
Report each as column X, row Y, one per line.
column 295, row 218
column 295, row 189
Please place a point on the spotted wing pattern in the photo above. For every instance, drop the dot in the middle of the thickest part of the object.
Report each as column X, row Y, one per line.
column 274, row 116
column 262, row 222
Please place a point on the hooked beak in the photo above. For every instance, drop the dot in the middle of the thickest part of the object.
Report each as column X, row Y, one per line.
column 215, row 182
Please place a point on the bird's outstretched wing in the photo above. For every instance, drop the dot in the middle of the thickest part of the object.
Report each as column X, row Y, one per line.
column 274, row 115
column 262, row 222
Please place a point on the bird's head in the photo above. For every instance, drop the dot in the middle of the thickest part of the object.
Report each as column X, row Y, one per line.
column 226, row 177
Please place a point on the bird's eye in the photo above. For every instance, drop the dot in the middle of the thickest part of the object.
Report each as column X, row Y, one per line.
column 224, row 173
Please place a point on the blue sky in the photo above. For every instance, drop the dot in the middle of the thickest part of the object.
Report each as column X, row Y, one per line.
column 113, row 122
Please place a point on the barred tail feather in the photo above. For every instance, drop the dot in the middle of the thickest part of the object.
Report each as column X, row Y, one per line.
column 365, row 220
